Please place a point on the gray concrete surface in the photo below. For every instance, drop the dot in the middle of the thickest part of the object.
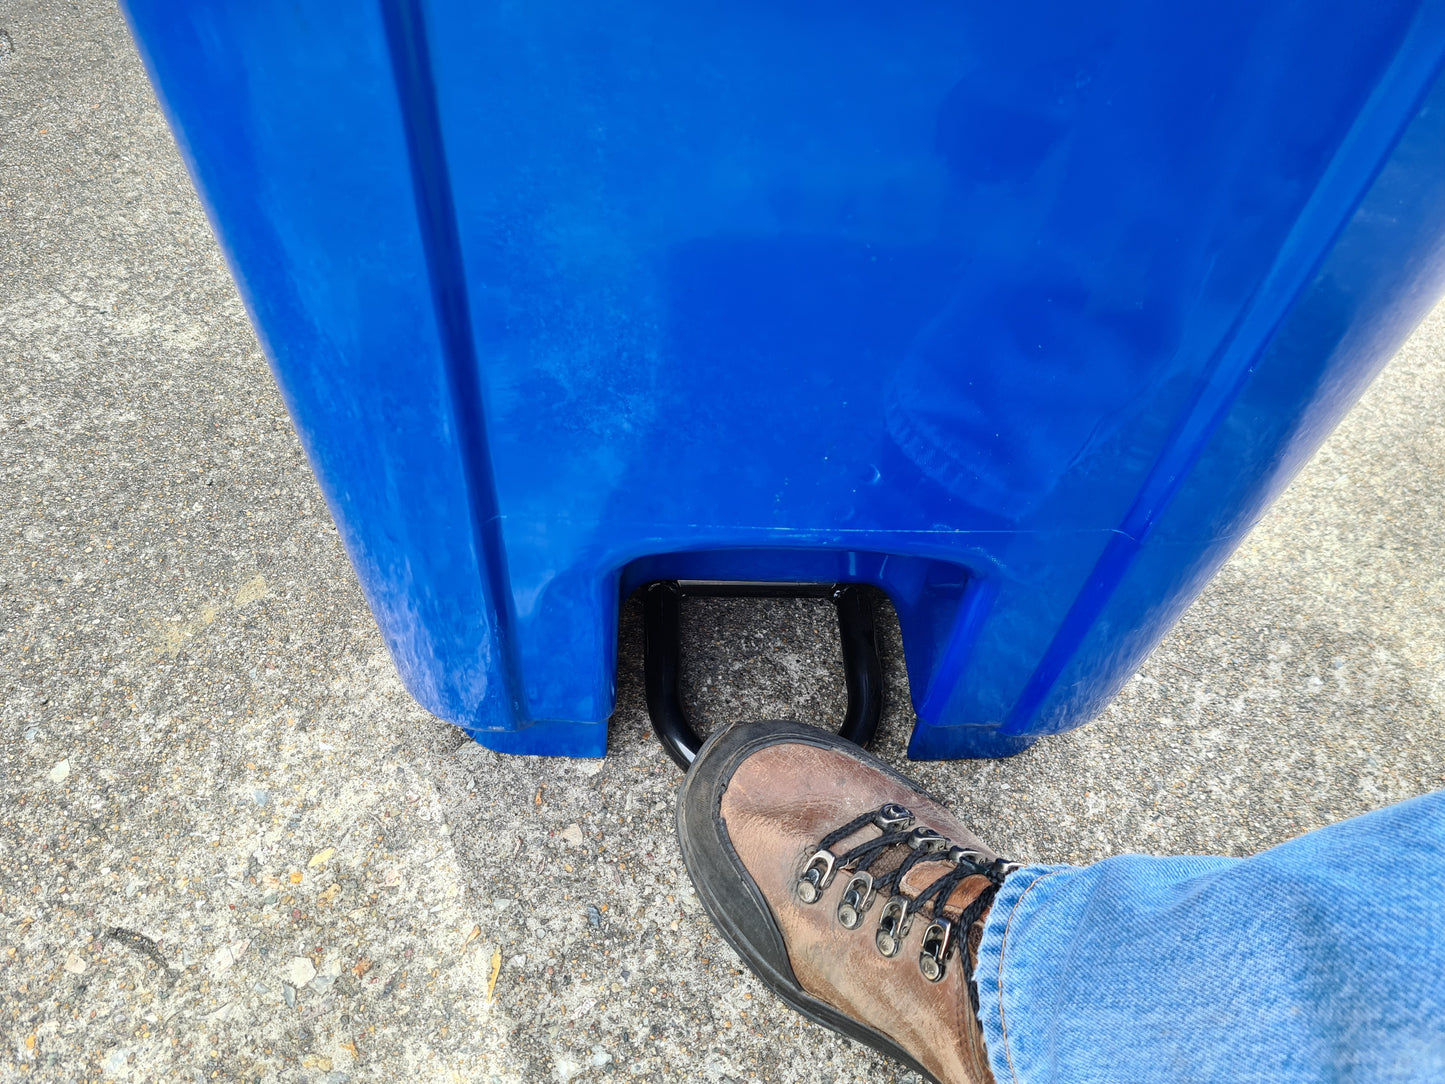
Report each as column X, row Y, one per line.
column 232, row 848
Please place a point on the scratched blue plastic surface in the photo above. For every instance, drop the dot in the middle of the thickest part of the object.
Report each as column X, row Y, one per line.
column 1023, row 313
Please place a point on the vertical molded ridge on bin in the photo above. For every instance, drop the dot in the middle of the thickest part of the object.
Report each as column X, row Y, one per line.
column 1022, row 316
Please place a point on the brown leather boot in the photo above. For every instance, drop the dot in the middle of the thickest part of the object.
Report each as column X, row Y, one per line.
column 845, row 888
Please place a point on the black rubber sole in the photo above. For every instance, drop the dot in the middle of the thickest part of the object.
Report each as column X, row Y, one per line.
column 731, row 899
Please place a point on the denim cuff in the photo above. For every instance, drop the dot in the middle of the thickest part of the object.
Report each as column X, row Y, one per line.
column 1013, row 901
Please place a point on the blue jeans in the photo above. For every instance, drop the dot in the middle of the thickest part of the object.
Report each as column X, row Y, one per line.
column 1322, row 959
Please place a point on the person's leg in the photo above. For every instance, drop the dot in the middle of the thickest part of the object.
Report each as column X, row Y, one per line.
column 1320, row 960
column 867, row 905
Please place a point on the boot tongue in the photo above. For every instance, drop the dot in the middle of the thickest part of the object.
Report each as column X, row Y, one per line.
column 915, row 881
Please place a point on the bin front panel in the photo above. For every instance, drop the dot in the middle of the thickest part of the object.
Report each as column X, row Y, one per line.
column 948, row 299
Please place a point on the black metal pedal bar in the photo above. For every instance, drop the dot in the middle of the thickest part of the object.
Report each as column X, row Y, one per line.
column 662, row 654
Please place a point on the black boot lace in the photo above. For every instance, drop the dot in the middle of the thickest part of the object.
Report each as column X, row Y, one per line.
column 942, row 937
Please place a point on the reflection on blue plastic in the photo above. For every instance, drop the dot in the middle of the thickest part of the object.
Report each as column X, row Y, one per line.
column 1023, row 315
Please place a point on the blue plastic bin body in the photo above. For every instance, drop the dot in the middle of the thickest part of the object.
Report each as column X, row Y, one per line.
column 1022, row 313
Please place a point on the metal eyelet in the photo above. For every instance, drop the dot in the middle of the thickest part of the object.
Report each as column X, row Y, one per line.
column 965, row 856
column 892, row 815
column 937, row 943
column 817, row 875
column 857, row 898
column 893, row 926
column 927, row 840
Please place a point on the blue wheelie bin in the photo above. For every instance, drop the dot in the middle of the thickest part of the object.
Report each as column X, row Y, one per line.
column 1020, row 313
